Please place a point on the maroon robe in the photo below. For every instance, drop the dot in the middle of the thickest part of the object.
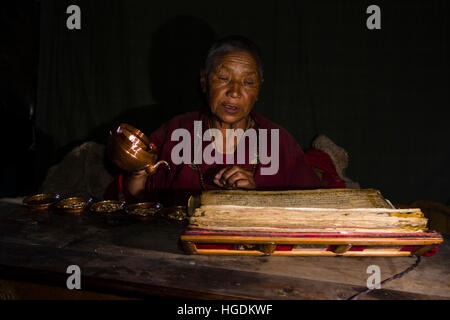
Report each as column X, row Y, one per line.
column 173, row 187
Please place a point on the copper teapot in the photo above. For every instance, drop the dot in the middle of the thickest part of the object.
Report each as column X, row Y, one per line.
column 129, row 149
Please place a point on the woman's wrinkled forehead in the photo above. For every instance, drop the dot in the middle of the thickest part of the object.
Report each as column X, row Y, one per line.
column 239, row 61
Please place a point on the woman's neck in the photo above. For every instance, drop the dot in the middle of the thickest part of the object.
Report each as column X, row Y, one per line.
column 230, row 141
column 222, row 126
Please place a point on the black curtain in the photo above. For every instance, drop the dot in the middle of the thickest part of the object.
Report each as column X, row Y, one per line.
column 19, row 47
column 380, row 94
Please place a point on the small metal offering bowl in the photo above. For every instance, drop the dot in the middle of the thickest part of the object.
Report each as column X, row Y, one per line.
column 143, row 209
column 107, row 206
column 176, row 214
column 73, row 205
column 41, row 202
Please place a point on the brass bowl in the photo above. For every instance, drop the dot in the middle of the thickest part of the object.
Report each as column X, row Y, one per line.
column 143, row 209
column 107, row 206
column 73, row 205
column 130, row 149
column 177, row 214
column 41, row 202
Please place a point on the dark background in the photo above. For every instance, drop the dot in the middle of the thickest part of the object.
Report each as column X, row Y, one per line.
column 380, row 94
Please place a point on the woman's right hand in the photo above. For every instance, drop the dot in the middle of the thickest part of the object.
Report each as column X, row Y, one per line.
column 136, row 183
column 138, row 174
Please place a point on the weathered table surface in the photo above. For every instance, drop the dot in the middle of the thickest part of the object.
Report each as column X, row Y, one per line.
column 130, row 257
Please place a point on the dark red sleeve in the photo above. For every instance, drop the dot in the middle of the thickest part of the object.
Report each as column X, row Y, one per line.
column 324, row 168
column 294, row 172
column 118, row 190
column 300, row 174
column 112, row 191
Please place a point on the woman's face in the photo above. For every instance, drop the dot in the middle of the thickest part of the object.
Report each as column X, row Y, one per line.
column 233, row 87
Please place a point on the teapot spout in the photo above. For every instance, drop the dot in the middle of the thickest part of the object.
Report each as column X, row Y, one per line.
column 152, row 169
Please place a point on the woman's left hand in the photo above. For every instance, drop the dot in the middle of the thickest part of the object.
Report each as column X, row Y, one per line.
column 235, row 178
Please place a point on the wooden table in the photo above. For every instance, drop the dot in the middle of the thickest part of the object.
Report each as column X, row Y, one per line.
column 123, row 257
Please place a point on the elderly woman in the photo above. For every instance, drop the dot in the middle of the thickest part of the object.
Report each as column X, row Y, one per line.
column 231, row 81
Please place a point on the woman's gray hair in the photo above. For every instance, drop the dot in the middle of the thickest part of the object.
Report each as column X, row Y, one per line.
column 232, row 44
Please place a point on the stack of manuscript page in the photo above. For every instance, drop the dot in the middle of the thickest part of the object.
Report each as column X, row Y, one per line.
column 324, row 210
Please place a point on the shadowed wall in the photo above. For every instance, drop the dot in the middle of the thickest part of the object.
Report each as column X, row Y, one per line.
column 382, row 95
